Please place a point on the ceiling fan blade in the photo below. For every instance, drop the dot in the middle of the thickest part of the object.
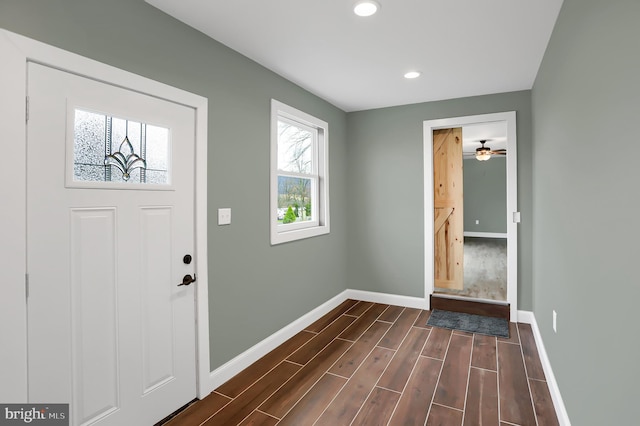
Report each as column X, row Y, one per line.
column 499, row 151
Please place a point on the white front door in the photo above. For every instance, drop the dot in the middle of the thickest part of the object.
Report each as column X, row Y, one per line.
column 109, row 329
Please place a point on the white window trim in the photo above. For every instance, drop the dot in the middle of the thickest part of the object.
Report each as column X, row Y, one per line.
column 282, row 234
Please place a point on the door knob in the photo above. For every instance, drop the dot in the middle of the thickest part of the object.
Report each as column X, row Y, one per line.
column 187, row 279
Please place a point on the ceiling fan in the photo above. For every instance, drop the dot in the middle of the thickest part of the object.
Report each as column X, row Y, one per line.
column 483, row 153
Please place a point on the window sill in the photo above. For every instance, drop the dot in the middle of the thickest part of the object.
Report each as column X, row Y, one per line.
column 298, row 234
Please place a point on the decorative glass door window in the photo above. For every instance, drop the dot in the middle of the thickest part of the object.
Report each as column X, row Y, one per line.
column 111, row 149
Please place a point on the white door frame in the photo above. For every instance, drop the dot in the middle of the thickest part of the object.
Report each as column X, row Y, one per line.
column 512, row 199
column 16, row 52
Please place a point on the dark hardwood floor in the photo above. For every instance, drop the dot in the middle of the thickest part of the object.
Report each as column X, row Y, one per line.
column 372, row 364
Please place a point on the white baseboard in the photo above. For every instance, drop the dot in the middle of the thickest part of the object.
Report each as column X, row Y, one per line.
column 389, row 299
column 226, row 371
column 527, row 317
column 484, row 234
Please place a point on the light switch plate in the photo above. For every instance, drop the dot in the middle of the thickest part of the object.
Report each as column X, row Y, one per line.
column 224, row 216
column 516, row 217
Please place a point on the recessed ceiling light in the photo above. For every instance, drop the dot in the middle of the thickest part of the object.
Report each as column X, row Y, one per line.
column 412, row 74
column 366, row 7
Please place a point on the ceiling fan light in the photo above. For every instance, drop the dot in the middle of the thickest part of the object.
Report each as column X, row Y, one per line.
column 483, row 153
column 482, row 156
column 366, row 7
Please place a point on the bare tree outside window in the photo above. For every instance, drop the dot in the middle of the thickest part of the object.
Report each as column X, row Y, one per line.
column 295, row 163
column 298, row 184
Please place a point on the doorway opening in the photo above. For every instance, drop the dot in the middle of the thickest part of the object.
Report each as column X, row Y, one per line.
column 471, row 256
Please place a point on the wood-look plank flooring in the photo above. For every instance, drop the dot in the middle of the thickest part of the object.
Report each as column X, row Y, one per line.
column 367, row 364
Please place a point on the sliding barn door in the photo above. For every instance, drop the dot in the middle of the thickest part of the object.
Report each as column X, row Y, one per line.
column 448, row 208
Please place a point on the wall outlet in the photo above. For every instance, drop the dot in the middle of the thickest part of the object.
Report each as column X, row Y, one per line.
column 224, row 216
column 477, row 222
column 555, row 321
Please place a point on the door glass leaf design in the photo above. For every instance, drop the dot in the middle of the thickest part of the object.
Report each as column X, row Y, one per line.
column 104, row 144
column 125, row 159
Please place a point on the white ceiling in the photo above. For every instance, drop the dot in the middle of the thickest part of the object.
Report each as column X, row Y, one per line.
column 462, row 47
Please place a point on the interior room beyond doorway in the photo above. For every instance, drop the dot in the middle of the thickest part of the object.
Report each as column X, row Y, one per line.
column 485, row 213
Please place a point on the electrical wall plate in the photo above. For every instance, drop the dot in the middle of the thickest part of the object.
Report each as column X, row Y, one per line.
column 516, row 217
column 224, row 216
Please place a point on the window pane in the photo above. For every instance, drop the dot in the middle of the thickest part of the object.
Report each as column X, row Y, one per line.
column 157, row 177
column 89, row 138
column 120, row 129
column 294, row 199
column 118, row 132
column 88, row 173
column 134, row 134
column 157, row 148
column 294, row 148
column 298, row 184
column 117, row 150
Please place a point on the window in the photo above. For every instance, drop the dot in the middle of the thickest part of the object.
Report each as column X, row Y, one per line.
column 299, row 175
column 110, row 149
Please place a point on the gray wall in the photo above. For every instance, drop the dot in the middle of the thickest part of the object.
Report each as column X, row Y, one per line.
column 581, row 233
column 585, row 105
column 255, row 289
column 386, row 203
column 485, row 195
